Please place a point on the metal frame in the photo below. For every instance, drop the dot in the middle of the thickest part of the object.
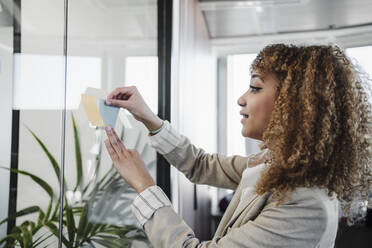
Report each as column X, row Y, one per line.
column 164, row 80
column 63, row 129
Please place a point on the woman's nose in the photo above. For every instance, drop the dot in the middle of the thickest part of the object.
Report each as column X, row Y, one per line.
column 241, row 102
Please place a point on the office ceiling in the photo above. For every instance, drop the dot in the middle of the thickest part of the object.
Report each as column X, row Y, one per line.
column 234, row 26
column 248, row 18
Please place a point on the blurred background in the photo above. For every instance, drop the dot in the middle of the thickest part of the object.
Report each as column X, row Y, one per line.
column 190, row 61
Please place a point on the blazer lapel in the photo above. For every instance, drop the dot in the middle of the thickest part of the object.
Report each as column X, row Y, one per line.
column 247, row 196
column 229, row 212
column 252, row 207
column 248, row 203
column 240, row 209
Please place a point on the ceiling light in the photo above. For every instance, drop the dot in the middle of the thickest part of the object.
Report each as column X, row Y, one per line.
column 259, row 9
column 224, row 5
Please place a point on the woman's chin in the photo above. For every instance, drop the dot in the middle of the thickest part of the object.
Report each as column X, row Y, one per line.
column 245, row 133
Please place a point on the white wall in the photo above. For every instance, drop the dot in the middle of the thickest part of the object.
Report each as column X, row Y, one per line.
column 194, row 105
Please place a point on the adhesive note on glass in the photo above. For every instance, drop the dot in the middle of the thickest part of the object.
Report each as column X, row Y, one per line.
column 109, row 114
column 90, row 107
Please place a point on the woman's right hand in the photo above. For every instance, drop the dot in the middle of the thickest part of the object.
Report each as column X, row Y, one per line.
column 130, row 99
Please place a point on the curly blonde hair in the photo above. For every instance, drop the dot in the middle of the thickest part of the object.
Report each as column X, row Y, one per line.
column 320, row 125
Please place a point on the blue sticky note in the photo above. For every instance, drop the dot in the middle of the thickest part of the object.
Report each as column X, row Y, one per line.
column 109, row 113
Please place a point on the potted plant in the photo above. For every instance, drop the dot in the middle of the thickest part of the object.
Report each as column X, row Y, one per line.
column 79, row 231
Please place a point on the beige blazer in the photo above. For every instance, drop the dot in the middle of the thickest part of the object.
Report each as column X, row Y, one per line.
column 308, row 219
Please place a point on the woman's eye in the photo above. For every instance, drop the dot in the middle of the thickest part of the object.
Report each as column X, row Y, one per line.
column 254, row 89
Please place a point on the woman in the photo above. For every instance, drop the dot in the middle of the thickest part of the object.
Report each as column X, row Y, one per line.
column 308, row 107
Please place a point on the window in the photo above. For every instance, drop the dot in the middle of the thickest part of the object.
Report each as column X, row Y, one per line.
column 143, row 73
column 361, row 56
column 40, row 84
column 238, row 77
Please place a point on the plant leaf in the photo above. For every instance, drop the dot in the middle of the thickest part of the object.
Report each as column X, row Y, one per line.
column 27, row 235
column 71, row 229
column 98, row 185
column 82, row 223
column 99, row 228
column 18, row 230
column 39, row 240
column 49, row 209
column 49, row 155
column 79, row 163
column 11, row 238
column 77, row 210
column 96, row 226
column 22, row 212
column 36, row 179
column 87, row 186
column 88, row 229
column 53, row 228
column 108, row 242
column 41, row 217
column 51, row 158
column 119, row 229
column 56, row 207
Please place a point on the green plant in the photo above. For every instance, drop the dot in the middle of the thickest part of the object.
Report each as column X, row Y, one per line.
column 79, row 231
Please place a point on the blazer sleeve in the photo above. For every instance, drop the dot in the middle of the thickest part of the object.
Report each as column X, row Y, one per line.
column 298, row 223
column 197, row 165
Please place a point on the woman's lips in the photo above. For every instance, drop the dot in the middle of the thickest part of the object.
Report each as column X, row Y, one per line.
column 244, row 118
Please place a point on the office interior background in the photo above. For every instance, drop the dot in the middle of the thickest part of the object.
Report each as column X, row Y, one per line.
column 190, row 61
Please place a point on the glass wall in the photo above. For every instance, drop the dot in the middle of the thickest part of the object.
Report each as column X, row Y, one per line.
column 63, row 49
column 6, row 101
column 36, row 63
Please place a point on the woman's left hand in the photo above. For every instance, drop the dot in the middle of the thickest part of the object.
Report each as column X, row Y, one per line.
column 128, row 162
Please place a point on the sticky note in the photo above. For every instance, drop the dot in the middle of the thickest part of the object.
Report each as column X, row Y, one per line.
column 90, row 107
column 99, row 114
column 108, row 113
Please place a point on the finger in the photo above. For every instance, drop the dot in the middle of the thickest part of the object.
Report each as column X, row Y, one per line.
column 119, row 103
column 123, row 96
column 120, row 143
column 113, row 141
column 117, row 91
column 111, row 151
column 117, row 144
column 119, row 96
column 134, row 152
column 114, row 93
column 120, row 100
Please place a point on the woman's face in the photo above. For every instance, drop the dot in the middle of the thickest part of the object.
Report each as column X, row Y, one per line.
column 257, row 103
